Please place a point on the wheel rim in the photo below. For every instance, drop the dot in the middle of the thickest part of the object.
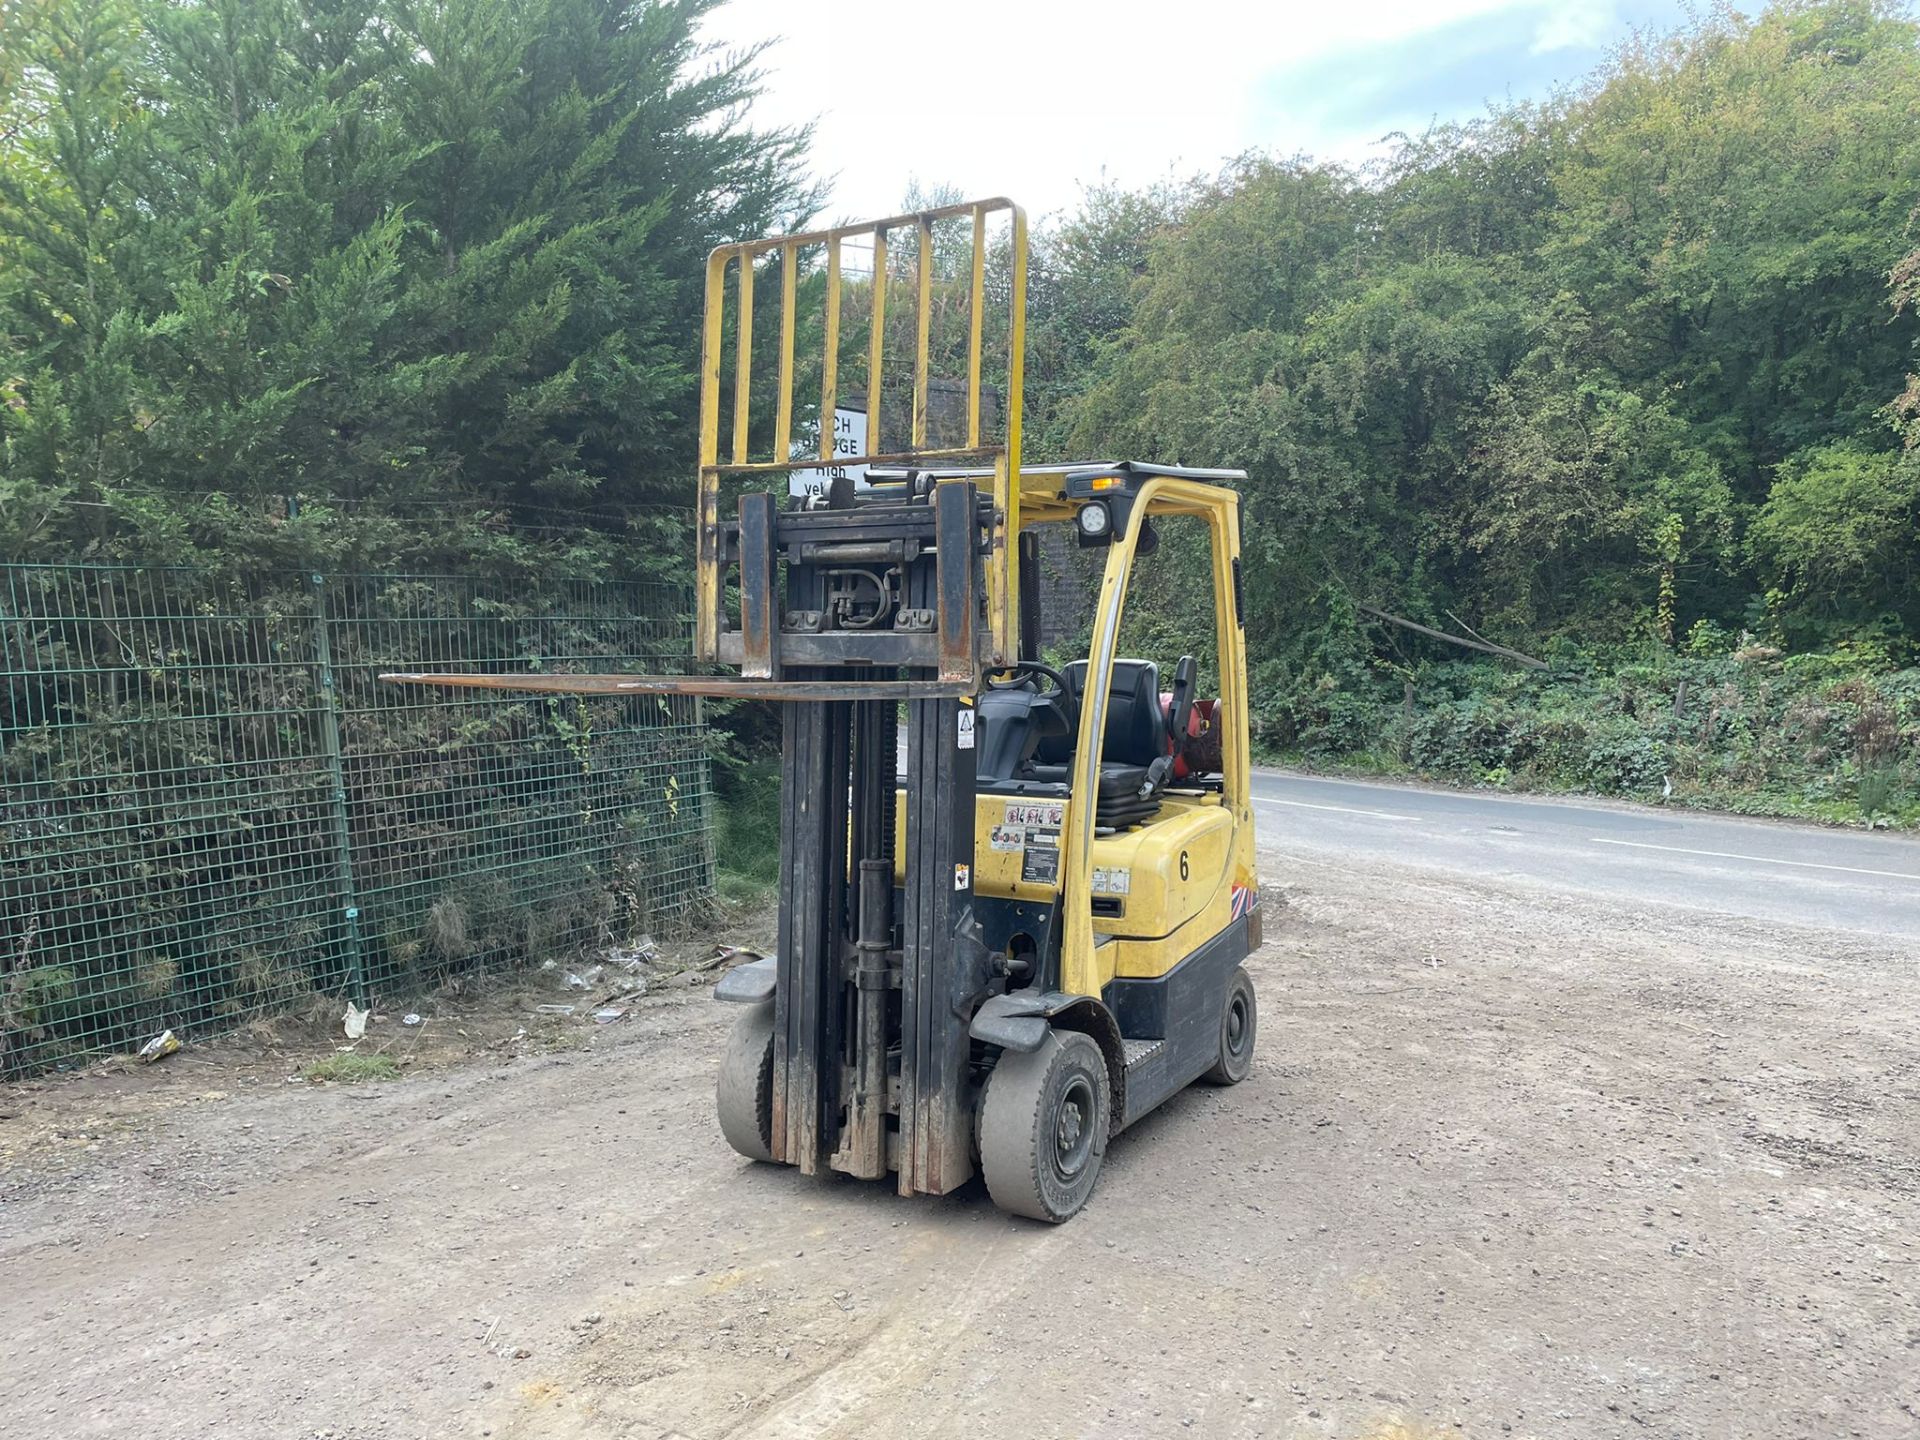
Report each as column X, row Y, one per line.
column 1073, row 1124
column 1237, row 1026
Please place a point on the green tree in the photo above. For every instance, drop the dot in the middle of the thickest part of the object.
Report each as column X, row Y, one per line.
column 1081, row 286
column 1732, row 197
column 433, row 271
column 1839, row 537
column 75, row 264
column 1541, row 371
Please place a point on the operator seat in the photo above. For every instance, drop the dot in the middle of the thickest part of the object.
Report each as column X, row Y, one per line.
column 1134, row 736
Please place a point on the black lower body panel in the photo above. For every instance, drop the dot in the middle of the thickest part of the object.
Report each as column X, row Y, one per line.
column 1181, row 1010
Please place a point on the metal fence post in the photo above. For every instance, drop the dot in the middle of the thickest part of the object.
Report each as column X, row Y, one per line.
column 336, row 774
column 709, row 858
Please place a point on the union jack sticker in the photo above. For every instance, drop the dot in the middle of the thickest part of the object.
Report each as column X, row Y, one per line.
column 1246, row 899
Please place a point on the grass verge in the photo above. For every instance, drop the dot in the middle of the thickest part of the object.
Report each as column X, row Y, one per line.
column 353, row 1069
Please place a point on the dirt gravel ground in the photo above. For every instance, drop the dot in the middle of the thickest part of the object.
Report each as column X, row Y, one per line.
column 1511, row 1163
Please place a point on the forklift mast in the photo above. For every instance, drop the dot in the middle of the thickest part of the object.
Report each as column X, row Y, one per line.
column 852, row 604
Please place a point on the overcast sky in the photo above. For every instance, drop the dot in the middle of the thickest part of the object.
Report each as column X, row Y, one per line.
column 1032, row 98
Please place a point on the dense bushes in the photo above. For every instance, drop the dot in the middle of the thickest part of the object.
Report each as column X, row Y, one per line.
column 1831, row 736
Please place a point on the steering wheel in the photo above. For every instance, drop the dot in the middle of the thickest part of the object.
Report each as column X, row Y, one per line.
column 1062, row 713
column 1021, row 673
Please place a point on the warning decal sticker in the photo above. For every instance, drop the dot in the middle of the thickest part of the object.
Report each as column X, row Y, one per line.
column 1029, row 812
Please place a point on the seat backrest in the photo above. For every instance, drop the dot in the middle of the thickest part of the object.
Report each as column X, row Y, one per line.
column 1136, row 728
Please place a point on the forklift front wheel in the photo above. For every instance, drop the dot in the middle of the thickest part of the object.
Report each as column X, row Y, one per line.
column 745, row 1091
column 1043, row 1126
column 1239, row 1023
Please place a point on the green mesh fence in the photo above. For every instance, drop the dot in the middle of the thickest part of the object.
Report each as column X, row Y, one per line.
column 210, row 808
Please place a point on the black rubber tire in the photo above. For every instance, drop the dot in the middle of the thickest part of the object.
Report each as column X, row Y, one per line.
column 1043, row 1127
column 744, row 1094
column 1239, row 1029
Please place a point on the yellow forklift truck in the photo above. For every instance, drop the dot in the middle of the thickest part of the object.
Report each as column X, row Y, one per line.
column 1014, row 897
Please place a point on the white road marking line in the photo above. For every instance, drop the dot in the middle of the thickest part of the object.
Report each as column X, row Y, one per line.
column 1757, row 859
column 1341, row 809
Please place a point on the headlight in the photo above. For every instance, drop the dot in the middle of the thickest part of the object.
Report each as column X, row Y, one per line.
column 1094, row 520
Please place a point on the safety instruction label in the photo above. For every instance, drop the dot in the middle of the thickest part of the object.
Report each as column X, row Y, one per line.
column 962, row 876
column 964, row 735
column 1028, row 812
column 1040, row 865
column 1117, row 880
column 1006, row 838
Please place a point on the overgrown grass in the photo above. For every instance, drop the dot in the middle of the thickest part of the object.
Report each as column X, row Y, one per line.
column 353, row 1069
column 747, row 837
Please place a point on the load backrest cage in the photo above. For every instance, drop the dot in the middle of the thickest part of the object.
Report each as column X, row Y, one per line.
column 1003, row 456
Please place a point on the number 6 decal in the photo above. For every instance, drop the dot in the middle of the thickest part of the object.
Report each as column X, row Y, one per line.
column 1183, row 864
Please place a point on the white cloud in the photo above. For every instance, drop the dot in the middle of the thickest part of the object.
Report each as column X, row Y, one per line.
column 1031, row 97
column 1575, row 26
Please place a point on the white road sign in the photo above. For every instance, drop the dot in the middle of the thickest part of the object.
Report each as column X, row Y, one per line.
column 849, row 438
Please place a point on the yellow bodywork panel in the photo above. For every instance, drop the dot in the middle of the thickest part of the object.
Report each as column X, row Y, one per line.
column 1166, row 885
column 1016, row 850
column 1161, row 874
column 1150, row 958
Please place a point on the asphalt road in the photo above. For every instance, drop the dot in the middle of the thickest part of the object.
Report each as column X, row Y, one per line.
column 1757, row 869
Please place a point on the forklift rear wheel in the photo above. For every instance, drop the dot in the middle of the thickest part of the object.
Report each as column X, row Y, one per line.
column 1239, row 1024
column 745, row 1091
column 1043, row 1127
